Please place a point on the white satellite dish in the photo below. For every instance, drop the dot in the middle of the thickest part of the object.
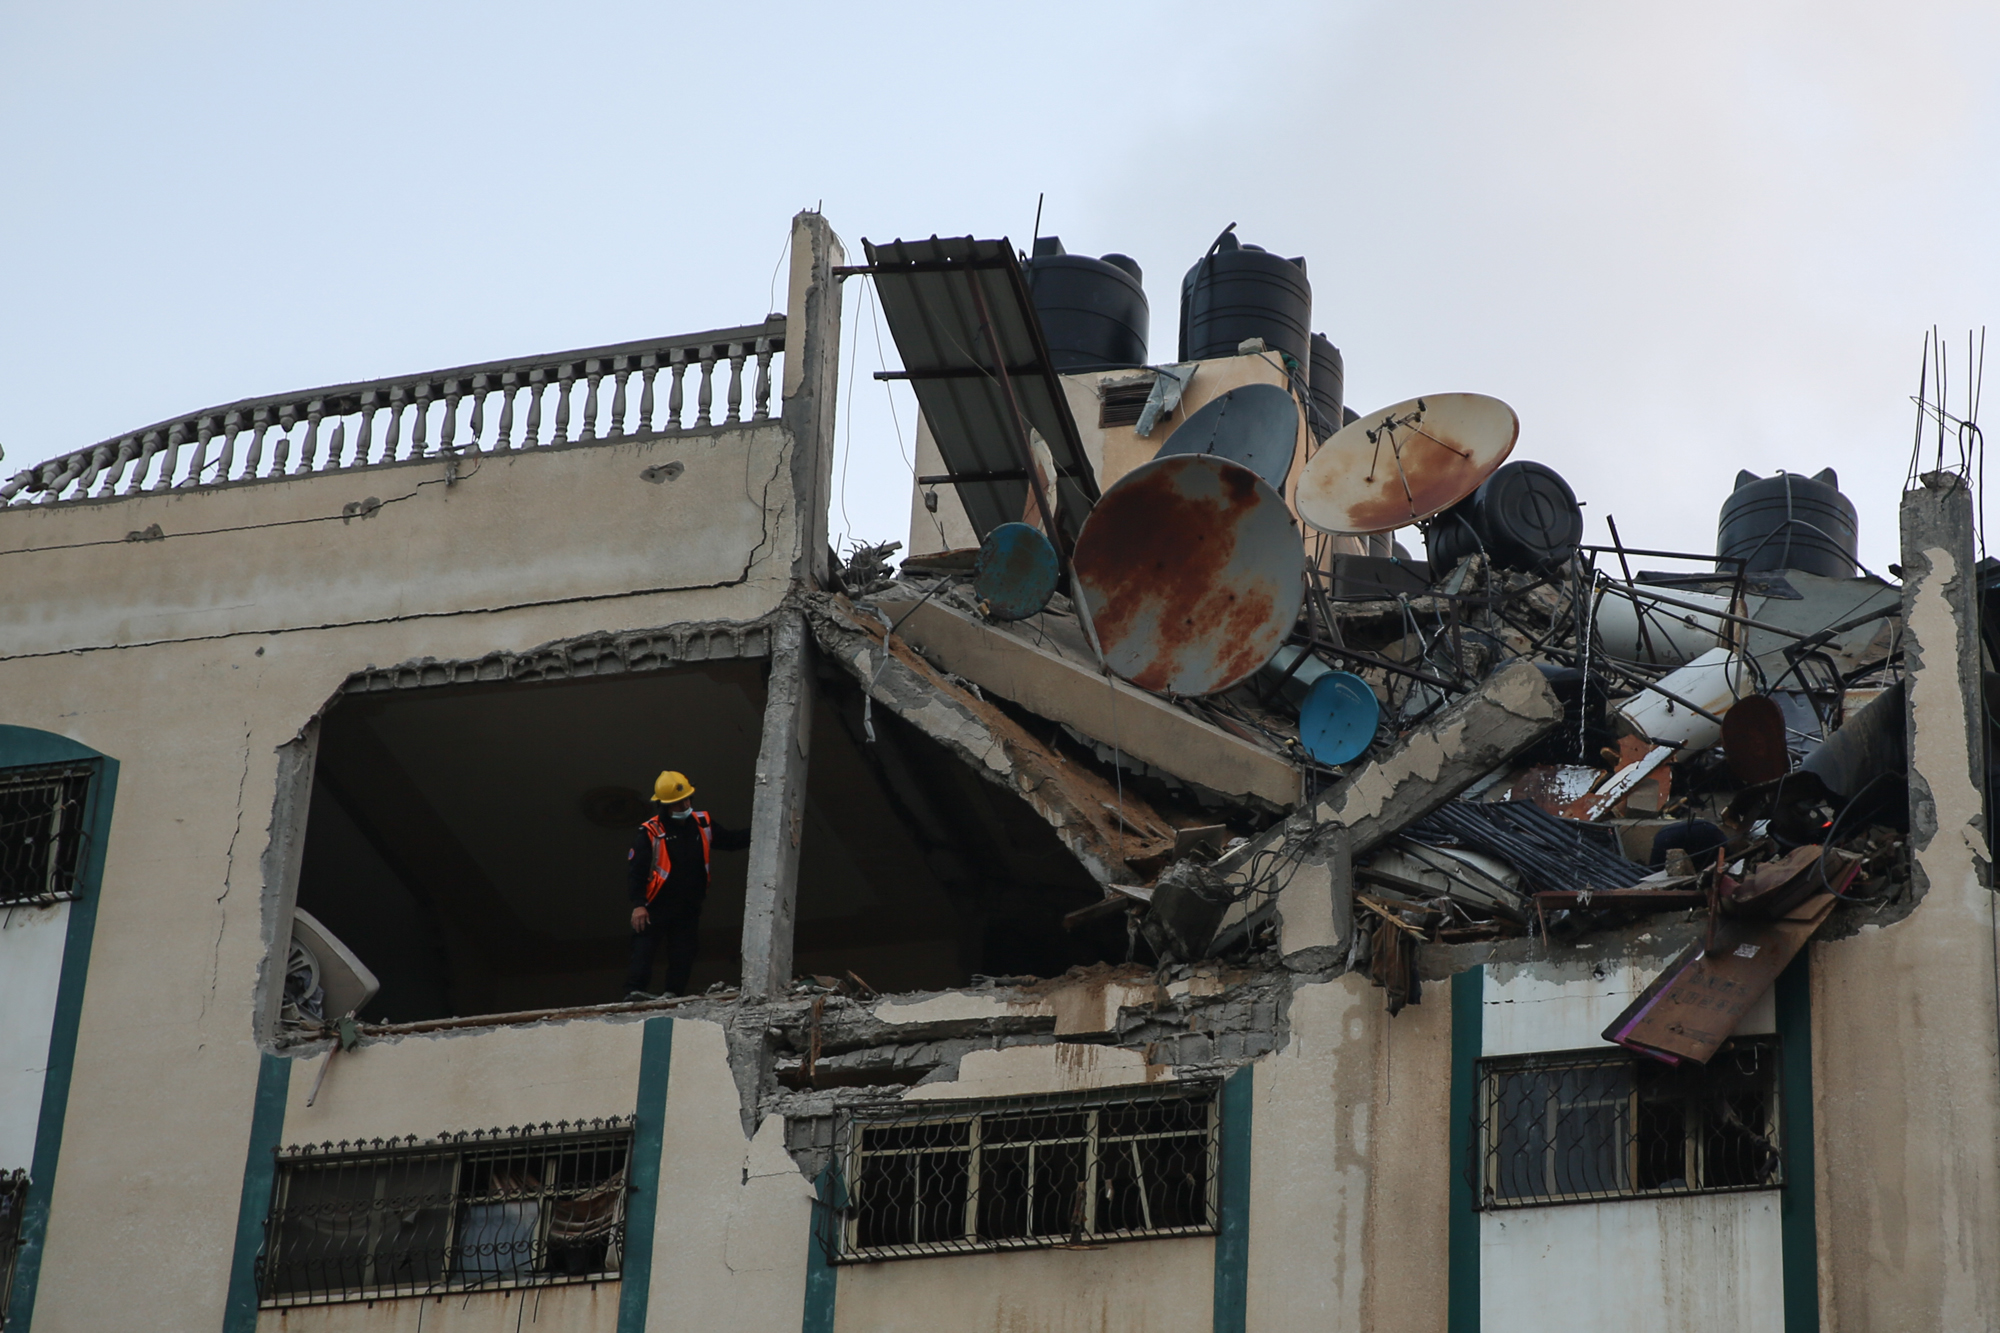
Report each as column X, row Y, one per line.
column 1394, row 467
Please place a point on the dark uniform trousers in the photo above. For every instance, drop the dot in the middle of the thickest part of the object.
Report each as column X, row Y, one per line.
column 679, row 925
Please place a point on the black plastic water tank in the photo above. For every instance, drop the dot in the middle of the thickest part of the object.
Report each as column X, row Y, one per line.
column 1789, row 522
column 1093, row 311
column 1326, row 380
column 1240, row 291
column 1524, row 516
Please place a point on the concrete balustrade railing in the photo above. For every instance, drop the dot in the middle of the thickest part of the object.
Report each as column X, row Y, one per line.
column 525, row 403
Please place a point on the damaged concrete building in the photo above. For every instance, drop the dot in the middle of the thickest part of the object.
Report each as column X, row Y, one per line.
column 1169, row 904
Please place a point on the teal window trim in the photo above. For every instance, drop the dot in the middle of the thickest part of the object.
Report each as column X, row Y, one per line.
column 822, row 1277
column 1797, row 1209
column 642, row 1199
column 1232, row 1187
column 260, row 1171
column 1468, row 1036
column 24, row 747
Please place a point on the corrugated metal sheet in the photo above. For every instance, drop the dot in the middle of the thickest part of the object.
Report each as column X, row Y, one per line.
column 928, row 295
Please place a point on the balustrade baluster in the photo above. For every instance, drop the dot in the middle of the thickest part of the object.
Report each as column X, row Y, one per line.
column 336, row 448
column 95, row 465
column 679, row 370
column 706, row 394
column 532, row 436
column 450, row 432
column 509, row 388
column 761, row 410
column 259, row 428
column 592, row 376
column 420, row 425
column 281, row 452
column 618, row 399
column 736, row 353
column 652, row 368
column 226, row 456
column 565, row 378
column 148, row 447
column 120, row 456
column 204, row 432
column 363, row 433
column 478, row 423
column 309, row 442
column 393, row 437
column 168, row 451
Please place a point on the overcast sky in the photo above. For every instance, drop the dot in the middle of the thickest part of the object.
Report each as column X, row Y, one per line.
column 1679, row 239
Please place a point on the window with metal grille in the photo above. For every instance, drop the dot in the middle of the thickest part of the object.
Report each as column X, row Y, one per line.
column 13, row 1203
column 955, row 1176
column 502, row 1208
column 1122, row 404
column 1584, row 1126
column 41, row 832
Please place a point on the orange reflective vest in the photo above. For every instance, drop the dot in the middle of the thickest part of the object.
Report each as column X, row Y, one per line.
column 663, row 864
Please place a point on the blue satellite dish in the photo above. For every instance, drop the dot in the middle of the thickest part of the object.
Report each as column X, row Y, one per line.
column 1338, row 718
column 1256, row 425
column 1015, row 574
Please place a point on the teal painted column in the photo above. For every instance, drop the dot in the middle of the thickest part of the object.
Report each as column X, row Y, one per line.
column 1232, row 1188
column 1796, row 1210
column 642, row 1201
column 1468, row 1035
column 21, row 747
column 260, row 1171
column 822, row 1278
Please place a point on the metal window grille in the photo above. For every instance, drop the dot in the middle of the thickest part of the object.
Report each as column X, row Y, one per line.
column 13, row 1203
column 41, row 832
column 486, row 1209
column 1585, row 1126
column 951, row 1177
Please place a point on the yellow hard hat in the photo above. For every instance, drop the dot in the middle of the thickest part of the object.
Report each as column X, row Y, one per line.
column 671, row 787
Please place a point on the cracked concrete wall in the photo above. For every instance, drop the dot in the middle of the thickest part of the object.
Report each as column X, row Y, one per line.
column 196, row 658
column 1905, row 1079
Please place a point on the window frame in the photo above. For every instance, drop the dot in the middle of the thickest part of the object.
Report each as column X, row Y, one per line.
column 1491, row 1161
column 461, row 1154
column 852, row 1153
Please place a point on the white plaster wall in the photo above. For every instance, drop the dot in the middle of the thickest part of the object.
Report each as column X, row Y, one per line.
column 438, row 1082
column 1141, row 1286
column 1639, row 1265
column 734, row 1215
column 31, row 954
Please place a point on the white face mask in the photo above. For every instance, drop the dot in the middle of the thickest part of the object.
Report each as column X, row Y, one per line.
column 681, row 814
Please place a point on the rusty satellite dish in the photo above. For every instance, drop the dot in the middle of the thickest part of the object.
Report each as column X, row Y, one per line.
column 1189, row 572
column 1256, row 425
column 1404, row 463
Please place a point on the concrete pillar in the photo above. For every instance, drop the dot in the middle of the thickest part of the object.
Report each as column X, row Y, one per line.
column 812, row 382
column 777, row 815
column 1906, row 1028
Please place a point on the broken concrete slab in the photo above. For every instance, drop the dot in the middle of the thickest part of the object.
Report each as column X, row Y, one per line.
column 1104, row 829
column 1056, row 686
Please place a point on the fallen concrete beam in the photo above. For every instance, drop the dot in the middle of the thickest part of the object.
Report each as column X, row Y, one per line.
column 1050, row 685
column 1436, row 762
column 1105, row 830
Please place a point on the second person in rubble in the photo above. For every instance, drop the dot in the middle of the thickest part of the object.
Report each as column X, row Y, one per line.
column 667, row 880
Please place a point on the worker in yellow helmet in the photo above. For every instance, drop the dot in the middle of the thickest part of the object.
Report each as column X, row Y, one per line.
column 667, row 879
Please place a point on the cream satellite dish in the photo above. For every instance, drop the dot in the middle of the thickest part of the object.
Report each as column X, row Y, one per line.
column 1393, row 467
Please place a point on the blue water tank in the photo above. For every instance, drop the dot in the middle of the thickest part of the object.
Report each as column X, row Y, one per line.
column 1237, row 292
column 1093, row 311
column 1789, row 521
